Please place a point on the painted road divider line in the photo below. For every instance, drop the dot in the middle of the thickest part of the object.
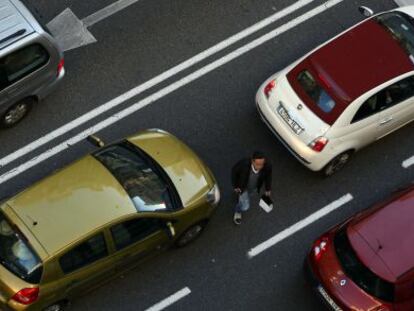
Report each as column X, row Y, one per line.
column 407, row 163
column 298, row 226
column 170, row 300
column 150, row 83
column 166, row 90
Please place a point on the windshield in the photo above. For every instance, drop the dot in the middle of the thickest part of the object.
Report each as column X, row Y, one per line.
column 139, row 176
column 401, row 27
column 315, row 91
column 16, row 255
column 358, row 272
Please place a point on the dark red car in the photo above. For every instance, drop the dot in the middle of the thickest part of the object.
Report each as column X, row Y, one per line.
column 367, row 262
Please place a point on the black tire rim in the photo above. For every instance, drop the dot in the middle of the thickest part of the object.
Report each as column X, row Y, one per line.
column 55, row 307
column 337, row 164
column 191, row 234
column 16, row 113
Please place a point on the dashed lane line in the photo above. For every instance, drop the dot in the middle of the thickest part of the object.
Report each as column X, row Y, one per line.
column 407, row 163
column 298, row 226
column 170, row 300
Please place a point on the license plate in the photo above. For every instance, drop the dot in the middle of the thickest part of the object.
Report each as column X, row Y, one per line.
column 286, row 117
column 328, row 299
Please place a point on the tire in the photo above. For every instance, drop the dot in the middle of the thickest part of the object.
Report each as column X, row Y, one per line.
column 17, row 112
column 57, row 306
column 191, row 234
column 336, row 164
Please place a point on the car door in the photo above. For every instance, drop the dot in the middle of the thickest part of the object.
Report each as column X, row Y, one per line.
column 138, row 238
column 363, row 127
column 86, row 265
column 396, row 106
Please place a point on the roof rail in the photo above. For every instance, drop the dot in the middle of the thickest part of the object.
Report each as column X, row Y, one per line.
column 16, row 34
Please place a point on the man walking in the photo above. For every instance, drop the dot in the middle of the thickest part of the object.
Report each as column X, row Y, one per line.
column 248, row 176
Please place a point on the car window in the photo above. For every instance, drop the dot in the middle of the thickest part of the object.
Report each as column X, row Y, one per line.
column 20, row 63
column 16, row 254
column 84, row 254
column 386, row 98
column 367, row 109
column 401, row 28
column 139, row 176
column 131, row 231
column 315, row 91
column 358, row 272
column 397, row 92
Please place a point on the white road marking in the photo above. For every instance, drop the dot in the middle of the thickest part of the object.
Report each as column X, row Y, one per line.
column 298, row 226
column 170, row 300
column 167, row 90
column 150, row 83
column 407, row 163
column 71, row 32
column 107, row 11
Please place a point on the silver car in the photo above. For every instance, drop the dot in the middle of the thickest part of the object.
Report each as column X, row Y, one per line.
column 31, row 64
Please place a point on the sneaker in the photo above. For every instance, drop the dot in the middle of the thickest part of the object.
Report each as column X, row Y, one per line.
column 237, row 218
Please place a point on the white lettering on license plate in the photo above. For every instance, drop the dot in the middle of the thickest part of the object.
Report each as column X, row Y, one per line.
column 286, row 117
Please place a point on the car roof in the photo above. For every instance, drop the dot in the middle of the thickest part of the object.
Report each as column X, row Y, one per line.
column 386, row 234
column 353, row 64
column 13, row 24
column 71, row 203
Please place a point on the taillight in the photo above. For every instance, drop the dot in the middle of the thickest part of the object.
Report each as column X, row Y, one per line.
column 270, row 86
column 319, row 143
column 26, row 296
column 61, row 65
column 319, row 247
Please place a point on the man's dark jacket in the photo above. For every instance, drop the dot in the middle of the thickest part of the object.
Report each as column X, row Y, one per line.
column 241, row 171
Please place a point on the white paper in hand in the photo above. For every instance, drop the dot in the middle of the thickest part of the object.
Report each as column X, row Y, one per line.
column 266, row 207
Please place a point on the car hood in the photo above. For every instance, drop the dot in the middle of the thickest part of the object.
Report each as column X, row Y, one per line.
column 188, row 173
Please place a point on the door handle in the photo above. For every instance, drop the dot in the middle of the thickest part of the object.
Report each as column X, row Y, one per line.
column 385, row 121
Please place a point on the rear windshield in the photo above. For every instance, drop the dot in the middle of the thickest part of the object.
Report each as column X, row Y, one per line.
column 401, row 28
column 16, row 255
column 17, row 65
column 358, row 272
column 315, row 91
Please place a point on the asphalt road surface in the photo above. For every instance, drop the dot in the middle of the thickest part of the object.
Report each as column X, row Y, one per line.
column 214, row 114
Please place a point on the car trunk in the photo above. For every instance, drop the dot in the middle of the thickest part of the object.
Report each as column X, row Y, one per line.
column 292, row 110
column 343, row 291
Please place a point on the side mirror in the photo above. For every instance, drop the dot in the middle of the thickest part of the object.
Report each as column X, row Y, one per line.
column 366, row 11
column 171, row 230
column 95, row 140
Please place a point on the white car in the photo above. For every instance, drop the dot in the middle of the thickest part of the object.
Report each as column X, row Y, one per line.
column 350, row 91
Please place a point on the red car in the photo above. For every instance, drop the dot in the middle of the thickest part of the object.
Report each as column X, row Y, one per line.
column 367, row 262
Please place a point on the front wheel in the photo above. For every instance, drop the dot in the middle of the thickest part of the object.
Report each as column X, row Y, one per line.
column 336, row 164
column 191, row 234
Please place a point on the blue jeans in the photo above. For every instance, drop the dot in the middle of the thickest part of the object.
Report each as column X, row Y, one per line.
column 243, row 203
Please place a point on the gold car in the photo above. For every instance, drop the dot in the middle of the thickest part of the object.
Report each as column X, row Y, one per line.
column 99, row 216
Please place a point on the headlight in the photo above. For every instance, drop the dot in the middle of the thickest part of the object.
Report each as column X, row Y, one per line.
column 213, row 196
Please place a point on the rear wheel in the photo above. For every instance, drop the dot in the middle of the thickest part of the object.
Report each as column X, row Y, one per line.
column 57, row 306
column 336, row 163
column 191, row 234
column 17, row 112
